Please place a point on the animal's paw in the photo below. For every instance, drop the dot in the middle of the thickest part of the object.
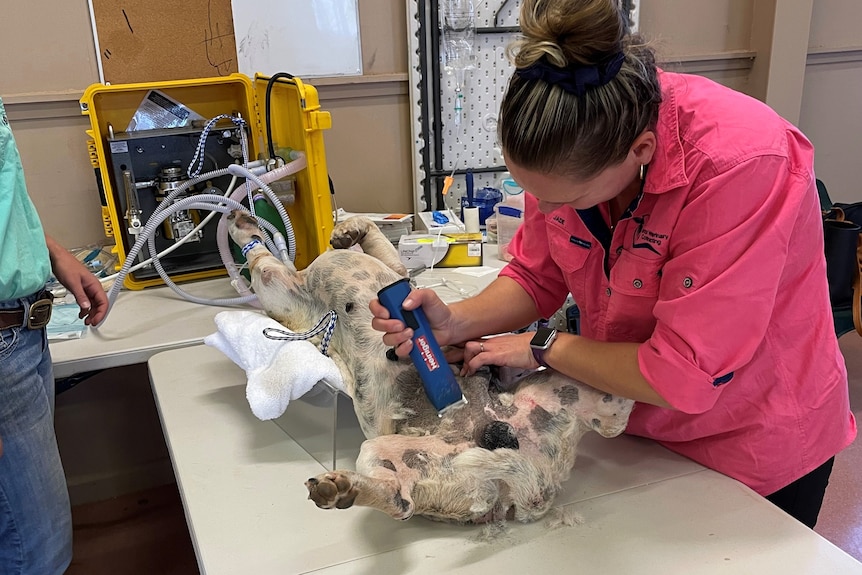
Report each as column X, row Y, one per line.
column 332, row 490
column 349, row 232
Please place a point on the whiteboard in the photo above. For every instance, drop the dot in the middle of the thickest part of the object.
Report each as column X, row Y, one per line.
column 302, row 37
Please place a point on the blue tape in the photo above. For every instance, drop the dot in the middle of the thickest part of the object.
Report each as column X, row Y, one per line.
column 248, row 247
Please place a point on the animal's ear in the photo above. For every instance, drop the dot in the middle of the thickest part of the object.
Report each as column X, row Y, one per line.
column 347, row 499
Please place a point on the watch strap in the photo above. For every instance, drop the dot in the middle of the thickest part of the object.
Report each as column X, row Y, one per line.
column 539, row 356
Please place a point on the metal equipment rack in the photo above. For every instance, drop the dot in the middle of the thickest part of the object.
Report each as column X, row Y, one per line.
column 441, row 150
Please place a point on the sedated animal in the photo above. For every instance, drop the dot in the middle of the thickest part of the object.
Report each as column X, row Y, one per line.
column 503, row 456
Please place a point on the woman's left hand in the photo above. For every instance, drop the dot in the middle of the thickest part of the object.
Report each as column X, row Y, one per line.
column 503, row 350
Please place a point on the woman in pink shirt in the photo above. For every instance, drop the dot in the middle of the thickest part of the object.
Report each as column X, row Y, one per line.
column 683, row 218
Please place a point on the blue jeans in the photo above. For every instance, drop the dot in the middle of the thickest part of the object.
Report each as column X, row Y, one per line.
column 35, row 516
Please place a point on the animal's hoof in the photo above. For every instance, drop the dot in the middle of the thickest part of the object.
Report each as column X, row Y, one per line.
column 331, row 490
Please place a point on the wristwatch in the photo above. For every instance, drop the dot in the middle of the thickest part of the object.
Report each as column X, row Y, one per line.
column 541, row 343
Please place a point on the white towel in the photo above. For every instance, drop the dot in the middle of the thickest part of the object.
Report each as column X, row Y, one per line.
column 277, row 371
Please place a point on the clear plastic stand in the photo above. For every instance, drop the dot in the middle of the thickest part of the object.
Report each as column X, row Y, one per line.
column 324, row 424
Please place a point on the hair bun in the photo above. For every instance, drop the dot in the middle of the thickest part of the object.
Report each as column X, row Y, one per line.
column 567, row 32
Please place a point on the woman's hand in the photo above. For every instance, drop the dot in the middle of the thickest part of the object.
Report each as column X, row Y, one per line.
column 76, row 278
column 399, row 336
column 504, row 350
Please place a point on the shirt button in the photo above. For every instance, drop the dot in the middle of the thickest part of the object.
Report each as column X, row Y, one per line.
column 687, row 282
column 638, row 284
column 608, row 292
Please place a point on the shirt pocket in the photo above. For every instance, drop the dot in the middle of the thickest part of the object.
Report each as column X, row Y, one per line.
column 570, row 253
column 635, row 276
column 634, row 284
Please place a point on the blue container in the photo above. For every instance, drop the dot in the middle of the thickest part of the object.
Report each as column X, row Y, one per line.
column 440, row 384
column 485, row 199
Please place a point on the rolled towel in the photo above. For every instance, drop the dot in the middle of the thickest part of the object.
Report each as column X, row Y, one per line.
column 277, row 371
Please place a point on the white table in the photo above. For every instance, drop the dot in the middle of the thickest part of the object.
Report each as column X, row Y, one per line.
column 645, row 510
column 140, row 324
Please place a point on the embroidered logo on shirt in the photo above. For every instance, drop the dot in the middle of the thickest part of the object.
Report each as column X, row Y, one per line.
column 560, row 220
column 646, row 239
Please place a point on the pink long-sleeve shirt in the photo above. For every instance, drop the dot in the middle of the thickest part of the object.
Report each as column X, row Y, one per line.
column 717, row 269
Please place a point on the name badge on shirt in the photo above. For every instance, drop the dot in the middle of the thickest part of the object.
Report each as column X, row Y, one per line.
column 579, row 242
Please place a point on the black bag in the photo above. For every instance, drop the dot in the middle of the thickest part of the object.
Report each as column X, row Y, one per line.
column 842, row 235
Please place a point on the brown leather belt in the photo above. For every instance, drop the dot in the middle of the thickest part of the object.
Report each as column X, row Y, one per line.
column 38, row 317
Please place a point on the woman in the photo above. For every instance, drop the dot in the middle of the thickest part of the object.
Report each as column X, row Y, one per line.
column 683, row 218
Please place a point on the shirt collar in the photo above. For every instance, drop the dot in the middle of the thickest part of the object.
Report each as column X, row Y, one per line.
column 667, row 169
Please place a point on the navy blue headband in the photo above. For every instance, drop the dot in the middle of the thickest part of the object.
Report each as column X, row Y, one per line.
column 576, row 78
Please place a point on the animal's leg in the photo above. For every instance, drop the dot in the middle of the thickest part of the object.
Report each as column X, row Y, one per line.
column 361, row 230
column 279, row 287
column 343, row 489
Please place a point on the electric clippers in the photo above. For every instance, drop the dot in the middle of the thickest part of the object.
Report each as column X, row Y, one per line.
column 440, row 384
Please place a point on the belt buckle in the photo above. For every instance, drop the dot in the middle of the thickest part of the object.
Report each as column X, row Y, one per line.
column 40, row 313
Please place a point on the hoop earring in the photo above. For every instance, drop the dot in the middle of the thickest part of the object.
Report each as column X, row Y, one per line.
column 642, row 172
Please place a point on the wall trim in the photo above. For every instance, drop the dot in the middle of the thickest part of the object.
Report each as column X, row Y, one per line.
column 40, row 97
column 834, row 55
column 712, row 62
column 359, row 87
column 36, row 109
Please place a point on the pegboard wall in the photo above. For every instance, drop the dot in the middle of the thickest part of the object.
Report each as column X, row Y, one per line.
column 441, row 146
column 473, row 144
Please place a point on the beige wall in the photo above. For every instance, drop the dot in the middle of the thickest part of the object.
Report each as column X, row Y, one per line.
column 742, row 43
column 369, row 146
column 831, row 111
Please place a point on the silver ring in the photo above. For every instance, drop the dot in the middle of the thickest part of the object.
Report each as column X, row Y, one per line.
column 481, row 347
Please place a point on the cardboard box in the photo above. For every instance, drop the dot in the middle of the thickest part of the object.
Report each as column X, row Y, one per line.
column 440, row 251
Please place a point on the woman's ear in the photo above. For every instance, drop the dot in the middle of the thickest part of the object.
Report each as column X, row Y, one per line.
column 644, row 147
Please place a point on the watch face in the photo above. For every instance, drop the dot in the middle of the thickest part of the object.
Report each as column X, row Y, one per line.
column 544, row 338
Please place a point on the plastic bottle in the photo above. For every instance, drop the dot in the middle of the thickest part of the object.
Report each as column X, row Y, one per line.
column 509, row 215
column 513, row 194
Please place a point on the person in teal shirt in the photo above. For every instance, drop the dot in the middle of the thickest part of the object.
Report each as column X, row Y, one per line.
column 35, row 516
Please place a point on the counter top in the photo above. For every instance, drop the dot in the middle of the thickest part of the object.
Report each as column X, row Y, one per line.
column 141, row 323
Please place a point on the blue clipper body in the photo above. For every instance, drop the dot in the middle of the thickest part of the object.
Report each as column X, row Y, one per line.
column 440, row 384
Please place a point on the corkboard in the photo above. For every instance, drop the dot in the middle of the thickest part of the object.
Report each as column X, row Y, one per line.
column 160, row 40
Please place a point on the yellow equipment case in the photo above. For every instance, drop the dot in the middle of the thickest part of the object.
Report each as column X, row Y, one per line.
column 135, row 162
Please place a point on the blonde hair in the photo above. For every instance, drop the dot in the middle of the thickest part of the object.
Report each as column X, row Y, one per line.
column 545, row 128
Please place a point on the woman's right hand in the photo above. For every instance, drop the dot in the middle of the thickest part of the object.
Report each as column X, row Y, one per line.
column 399, row 336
